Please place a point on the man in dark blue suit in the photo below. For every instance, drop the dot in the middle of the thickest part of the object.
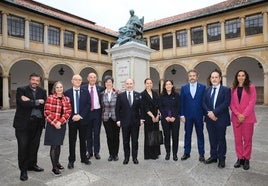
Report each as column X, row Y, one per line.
column 128, row 116
column 216, row 102
column 80, row 101
column 94, row 121
column 192, row 114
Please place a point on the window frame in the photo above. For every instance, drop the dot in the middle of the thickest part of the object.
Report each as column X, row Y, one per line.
column 82, row 44
column 195, row 37
column 254, row 24
column 181, row 38
column 104, row 47
column 94, row 40
column 214, row 32
column 16, row 26
column 232, row 28
column 156, row 45
column 68, row 39
column 167, row 40
column 36, row 31
column 53, row 35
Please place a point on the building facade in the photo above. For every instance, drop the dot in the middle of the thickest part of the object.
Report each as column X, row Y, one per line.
column 229, row 36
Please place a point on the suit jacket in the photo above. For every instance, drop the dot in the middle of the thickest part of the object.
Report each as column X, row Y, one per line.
column 169, row 105
column 84, row 103
column 100, row 89
column 24, row 108
column 108, row 107
column 126, row 114
column 221, row 110
column 149, row 104
column 246, row 105
column 192, row 107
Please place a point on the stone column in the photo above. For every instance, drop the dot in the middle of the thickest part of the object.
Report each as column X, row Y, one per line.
column 224, row 80
column 189, row 41
column 265, row 89
column 61, row 41
column 75, row 44
column 205, row 38
column 223, row 42
column 174, row 43
column 243, row 32
column 6, row 104
column 4, row 29
column 88, row 47
column 161, row 45
column 46, row 85
column 27, row 35
column 99, row 49
column 265, row 27
column 45, row 38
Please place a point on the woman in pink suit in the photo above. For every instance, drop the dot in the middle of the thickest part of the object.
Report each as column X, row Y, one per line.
column 243, row 117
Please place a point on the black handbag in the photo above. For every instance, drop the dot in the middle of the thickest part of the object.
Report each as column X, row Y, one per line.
column 155, row 138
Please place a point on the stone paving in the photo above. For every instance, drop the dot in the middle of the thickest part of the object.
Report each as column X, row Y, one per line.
column 147, row 172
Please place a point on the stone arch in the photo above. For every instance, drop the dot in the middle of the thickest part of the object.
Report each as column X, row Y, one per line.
column 105, row 74
column 154, row 75
column 85, row 71
column 176, row 73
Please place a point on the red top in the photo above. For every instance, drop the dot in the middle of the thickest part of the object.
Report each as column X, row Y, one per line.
column 57, row 109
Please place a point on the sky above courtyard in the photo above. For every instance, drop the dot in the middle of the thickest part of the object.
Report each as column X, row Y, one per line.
column 114, row 14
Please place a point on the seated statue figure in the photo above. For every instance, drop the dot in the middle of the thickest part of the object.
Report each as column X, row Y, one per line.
column 132, row 30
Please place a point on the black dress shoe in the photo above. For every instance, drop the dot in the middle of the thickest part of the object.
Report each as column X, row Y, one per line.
column 201, row 158
column 135, row 161
column 110, row 158
column 36, row 168
column 70, row 165
column 89, row 155
column 246, row 165
column 23, row 176
column 238, row 163
column 125, row 161
column 210, row 160
column 116, row 158
column 175, row 157
column 221, row 164
column 97, row 156
column 86, row 161
column 60, row 167
column 185, row 157
column 167, row 156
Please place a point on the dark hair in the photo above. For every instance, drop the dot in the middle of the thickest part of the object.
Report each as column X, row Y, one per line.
column 147, row 80
column 35, row 75
column 217, row 71
column 108, row 78
column 164, row 91
column 246, row 83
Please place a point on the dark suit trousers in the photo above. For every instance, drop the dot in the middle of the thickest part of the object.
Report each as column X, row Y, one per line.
column 94, row 128
column 131, row 131
column 75, row 127
column 216, row 134
column 171, row 129
column 112, row 134
column 28, row 144
column 189, row 123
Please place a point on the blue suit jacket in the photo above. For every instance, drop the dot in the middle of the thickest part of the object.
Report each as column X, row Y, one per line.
column 84, row 103
column 192, row 107
column 221, row 110
column 126, row 114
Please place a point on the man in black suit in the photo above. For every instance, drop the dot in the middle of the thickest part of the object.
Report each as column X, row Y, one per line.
column 128, row 116
column 80, row 101
column 28, row 123
column 94, row 121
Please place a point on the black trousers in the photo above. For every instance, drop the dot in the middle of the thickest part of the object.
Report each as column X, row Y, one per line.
column 171, row 129
column 132, row 132
column 112, row 134
column 75, row 127
column 28, row 144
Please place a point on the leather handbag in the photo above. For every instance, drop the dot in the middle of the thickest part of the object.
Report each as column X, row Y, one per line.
column 155, row 138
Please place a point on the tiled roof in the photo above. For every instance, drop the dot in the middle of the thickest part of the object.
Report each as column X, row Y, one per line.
column 217, row 8
column 58, row 14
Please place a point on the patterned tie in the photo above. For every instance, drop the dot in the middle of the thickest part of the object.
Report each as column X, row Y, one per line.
column 77, row 100
column 92, row 98
column 212, row 97
column 129, row 99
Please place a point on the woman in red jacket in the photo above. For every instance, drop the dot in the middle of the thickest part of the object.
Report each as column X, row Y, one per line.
column 243, row 117
column 57, row 112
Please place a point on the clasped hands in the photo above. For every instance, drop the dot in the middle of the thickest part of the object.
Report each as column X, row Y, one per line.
column 212, row 116
column 170, row 119
column 24, row 98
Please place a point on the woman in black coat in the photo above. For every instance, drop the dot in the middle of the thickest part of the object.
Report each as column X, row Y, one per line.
column 151, row 115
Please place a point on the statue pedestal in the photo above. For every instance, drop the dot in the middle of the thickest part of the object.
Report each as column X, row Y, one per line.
column 130, row 60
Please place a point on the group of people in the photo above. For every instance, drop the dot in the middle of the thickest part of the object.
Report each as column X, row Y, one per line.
column 85, row 107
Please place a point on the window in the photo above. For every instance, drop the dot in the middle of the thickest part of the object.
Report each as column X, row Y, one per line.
column 0, row 22
column 68, row 39
column 16, row 26
column 82, row 42
column 181, row 38
column 197, row 35
column 154, row 41
column 214, row 32
column 232, row 28
column 104, row 46
column 112, row 44
column 167, row 41
column 36, row 31
column 254, row 24
column 53, row 35
column 94, row 45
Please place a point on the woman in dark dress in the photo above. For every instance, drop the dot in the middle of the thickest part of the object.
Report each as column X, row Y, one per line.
column 57, row 112
column 169, row 106
column 151, row 114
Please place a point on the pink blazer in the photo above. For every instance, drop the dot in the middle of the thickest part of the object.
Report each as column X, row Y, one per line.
column 246, row 105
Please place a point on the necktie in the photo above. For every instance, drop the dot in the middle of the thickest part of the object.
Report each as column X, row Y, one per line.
column 129, row 99
column 77, row 101
column 212, row 97
column 92, row 98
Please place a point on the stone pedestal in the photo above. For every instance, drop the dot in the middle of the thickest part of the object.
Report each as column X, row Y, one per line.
column 130, row 60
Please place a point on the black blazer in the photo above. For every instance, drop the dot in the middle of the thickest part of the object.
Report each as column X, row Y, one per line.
column 126, row 114
column 24, row 108
column 84, row 103
column 100, row 89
